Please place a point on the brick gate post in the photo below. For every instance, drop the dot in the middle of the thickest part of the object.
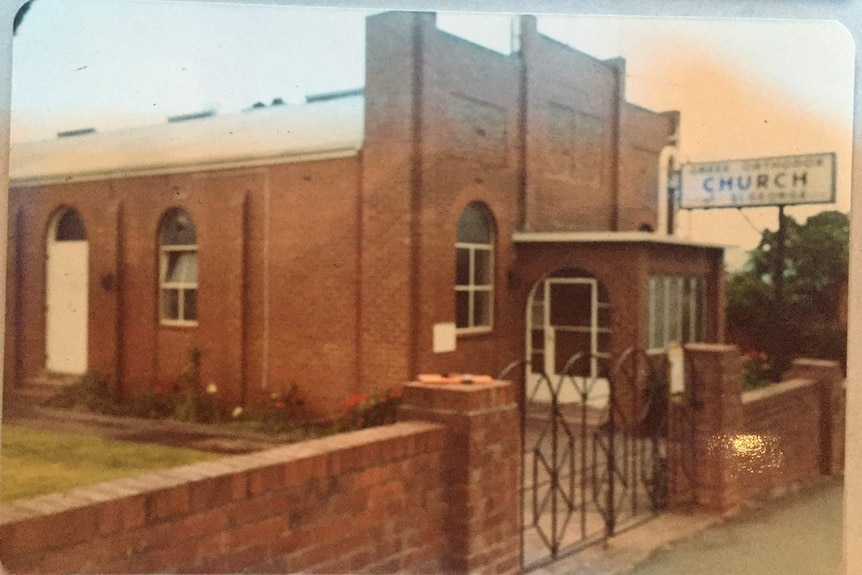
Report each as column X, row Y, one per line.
column 714, row 396
column 830, row 386
column 481, row 474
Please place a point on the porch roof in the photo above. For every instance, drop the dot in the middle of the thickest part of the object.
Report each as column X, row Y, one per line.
column 608, row 238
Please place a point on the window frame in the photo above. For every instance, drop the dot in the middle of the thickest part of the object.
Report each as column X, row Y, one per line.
column 471, row 288
column 165, row 253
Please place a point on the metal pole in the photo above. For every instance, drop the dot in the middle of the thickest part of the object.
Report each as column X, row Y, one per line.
column 778, row 278
column 780, row 309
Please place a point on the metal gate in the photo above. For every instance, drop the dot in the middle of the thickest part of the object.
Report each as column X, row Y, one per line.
column 591, row 466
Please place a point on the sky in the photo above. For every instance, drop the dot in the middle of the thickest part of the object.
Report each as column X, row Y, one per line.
column 745, row 88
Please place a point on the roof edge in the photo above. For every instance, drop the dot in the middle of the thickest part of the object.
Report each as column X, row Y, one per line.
column 608, row 237
column 144, row 171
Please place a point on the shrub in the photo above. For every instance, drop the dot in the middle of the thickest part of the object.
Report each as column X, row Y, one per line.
column 370, row 410
column 282, row 410
column 153, row 404
column 91, row 392
column 755, row 370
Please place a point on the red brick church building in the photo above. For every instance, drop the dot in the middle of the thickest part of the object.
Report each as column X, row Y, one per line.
column 463, row 209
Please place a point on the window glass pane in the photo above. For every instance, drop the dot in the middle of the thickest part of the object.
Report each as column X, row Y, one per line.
column 687, row 302
column 481, row 309
column 190, row 304
column 178, row 229
column 473, row 226
column 462, row 267
column 537, row 362
column 538, row 339
column 462, row 309
column 566, row 345
column 673, row 309
column 70, row 228
column 170, row 304
column 571, row 305
column 657, row 313
column 182, row 267
column 698, row 310
column 482, row 267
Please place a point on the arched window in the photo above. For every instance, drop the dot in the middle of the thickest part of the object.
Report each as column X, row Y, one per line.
column 474, row 270
column 70, row 228
column 178, row 275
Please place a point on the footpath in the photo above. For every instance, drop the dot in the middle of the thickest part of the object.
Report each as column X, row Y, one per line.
column 796, row 534
column 799, row 534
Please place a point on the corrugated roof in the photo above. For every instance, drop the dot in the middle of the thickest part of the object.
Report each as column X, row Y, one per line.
column 275, row 133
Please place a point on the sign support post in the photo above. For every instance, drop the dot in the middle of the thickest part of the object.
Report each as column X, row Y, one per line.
column 780, row 241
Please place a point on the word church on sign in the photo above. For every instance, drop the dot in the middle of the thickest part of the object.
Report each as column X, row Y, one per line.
column 785, row 180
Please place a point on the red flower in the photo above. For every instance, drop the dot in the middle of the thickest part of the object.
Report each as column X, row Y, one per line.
column 354, row 400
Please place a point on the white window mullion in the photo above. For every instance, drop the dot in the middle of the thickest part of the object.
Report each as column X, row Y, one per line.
column 471, row 300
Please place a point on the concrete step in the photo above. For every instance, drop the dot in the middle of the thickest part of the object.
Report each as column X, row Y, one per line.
column 36, row 391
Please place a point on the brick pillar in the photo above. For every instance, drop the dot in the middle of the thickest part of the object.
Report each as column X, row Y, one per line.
column 481, row 475
column 680, row 453
column 714, row 397
column 830, row 386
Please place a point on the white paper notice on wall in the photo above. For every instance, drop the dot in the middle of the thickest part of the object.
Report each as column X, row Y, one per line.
column 676, row 359
column 444, row 337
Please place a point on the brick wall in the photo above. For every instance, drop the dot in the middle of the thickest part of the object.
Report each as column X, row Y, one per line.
column 310, row 280
column 644, row 134
column 726, row 445
column 781, row 435
column 368, row 501
column 414, row 497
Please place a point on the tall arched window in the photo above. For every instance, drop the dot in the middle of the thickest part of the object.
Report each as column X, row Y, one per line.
column 178, row 276
column 474, row 270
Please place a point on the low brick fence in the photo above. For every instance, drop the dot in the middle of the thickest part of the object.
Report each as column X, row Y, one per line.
column 415, row 496
column 726, row 446
column 780, row 442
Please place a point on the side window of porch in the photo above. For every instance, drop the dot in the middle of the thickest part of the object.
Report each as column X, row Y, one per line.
column 178, row 269
column 474, row 270
column 676, row 310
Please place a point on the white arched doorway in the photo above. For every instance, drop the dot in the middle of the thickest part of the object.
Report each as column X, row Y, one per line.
column 66, row 294
column 569, row 313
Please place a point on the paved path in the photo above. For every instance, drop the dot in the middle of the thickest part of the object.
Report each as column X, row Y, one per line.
column 800, row 534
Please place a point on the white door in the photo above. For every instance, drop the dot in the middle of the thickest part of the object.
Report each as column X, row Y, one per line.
column 66, row 296
column 567, row 317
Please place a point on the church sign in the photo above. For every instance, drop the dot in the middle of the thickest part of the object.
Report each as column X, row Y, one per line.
column 787, row 180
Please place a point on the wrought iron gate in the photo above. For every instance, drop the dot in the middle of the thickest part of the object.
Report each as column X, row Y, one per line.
column 594, row 466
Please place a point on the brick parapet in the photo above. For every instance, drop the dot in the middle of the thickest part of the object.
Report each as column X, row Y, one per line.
column 481, row 475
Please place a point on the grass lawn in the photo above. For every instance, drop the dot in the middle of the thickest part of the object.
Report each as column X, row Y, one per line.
column 37, row 462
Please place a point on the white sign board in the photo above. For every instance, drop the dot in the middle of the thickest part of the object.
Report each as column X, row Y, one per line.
column 444, row 337
column 785, row 180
